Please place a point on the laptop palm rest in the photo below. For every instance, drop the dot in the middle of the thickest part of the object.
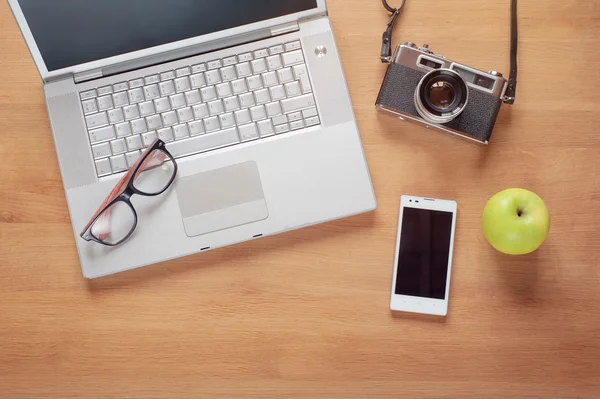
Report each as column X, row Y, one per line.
column 222, row 198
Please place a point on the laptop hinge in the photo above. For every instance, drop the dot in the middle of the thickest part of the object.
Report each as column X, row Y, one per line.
column 88, row 75
column 285, row 28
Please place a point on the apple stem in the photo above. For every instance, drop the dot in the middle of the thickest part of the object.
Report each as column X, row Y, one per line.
column 519, row 212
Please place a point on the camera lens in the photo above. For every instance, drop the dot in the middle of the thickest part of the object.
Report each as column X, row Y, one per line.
column 441, row 96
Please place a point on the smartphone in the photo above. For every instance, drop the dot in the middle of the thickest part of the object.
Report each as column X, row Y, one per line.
column 423, row 261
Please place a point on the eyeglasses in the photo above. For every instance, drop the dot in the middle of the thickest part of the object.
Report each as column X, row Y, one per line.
column 116, row 219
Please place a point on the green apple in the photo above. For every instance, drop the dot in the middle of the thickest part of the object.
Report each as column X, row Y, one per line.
column 516, row 221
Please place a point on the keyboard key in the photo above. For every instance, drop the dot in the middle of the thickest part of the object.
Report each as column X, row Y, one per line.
column 301, row 74
column 243, row 69
column 216, row 107
column 208, row 93
column 242, row 117
column 280, row 120
column 166, row 88
column 307, row 113
column 177, row 101
column 131, row 112
column 102, row 91
column 227, row 120
column 214, row 64
column 183, row 72
column 169, row 118
column 285, row 75
column 162, row 105
column 274, row 62
column 231, row 104
column 115, row 116
column 229, row 61
column 258, row 113
column 292, row 46
column 239, row 86
column 295, row 116
column 274, row 109
column 136, row 83
column 123, row 129
column 182, row 84
column 298, row 103
column 193, row 97
column 248, row 132
column 266, row 128
column 119, row 164
column 224, row 90
column 138, row 126
column 134, row 142
column 151, row 92
column 261, row 53
column 282, row 128
column 120, row 99
column 259, row 66
column 198, row 68
column 148, row 138
column 131, row 157
column 118, row 146
column 203, row 143
column 96, row 120
column 313, row 120
column 154, row 122
column 293, row 58
column 147, row 108
column 297, row 125
column 293, row 89
column 277, row 92
column 270, row 79
column 151, row 79
column 196, row 128
column 262, row 96
column 185, row 114
column 170, row 75
column 276, row 49
column 86, row 95
column 136, row 96
column 200, row 111
column 228, row 74
column 103, row 167
column 247, row 100
column 90, row 106
column 181, row 131
column 254, row 83
column 101, row 150
column 245, row 57
column 166, row 134
column 120, row 87
column 211, row 124
column 213, row 77
column 198, row 80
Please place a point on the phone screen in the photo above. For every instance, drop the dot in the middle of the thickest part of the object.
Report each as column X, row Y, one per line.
column 422, row 268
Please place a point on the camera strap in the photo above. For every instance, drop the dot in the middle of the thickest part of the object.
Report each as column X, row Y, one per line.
column 511, row 90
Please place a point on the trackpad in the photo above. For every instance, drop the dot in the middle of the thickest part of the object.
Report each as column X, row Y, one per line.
column 221, row 198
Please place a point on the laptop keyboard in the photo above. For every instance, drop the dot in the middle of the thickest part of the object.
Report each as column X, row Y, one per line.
column 202, row 107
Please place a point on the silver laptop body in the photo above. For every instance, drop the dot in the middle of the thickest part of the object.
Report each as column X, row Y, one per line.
column 251, row 100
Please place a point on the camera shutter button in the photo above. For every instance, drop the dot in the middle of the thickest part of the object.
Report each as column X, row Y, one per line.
column 495, row 73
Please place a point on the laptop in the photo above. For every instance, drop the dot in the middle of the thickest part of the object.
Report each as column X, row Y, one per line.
column 249, row 96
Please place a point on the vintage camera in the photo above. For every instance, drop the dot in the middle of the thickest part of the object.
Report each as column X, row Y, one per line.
column 439, row 93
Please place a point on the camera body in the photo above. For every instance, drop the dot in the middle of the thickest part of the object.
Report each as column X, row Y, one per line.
column 431, row 90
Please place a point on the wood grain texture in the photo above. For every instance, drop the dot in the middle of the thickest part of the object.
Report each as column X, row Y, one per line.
column 305, row 314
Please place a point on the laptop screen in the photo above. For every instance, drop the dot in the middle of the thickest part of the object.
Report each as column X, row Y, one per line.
column 73, row 32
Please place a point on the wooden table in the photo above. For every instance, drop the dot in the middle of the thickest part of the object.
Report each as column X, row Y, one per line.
column 306, row 314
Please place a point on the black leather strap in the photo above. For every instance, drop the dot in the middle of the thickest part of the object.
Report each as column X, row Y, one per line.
column 511, row 90
column 386, row 46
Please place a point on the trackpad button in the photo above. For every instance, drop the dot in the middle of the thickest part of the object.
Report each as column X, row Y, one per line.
column 221, row 198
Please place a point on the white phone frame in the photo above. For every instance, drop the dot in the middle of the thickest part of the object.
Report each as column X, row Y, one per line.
column 406, row 303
